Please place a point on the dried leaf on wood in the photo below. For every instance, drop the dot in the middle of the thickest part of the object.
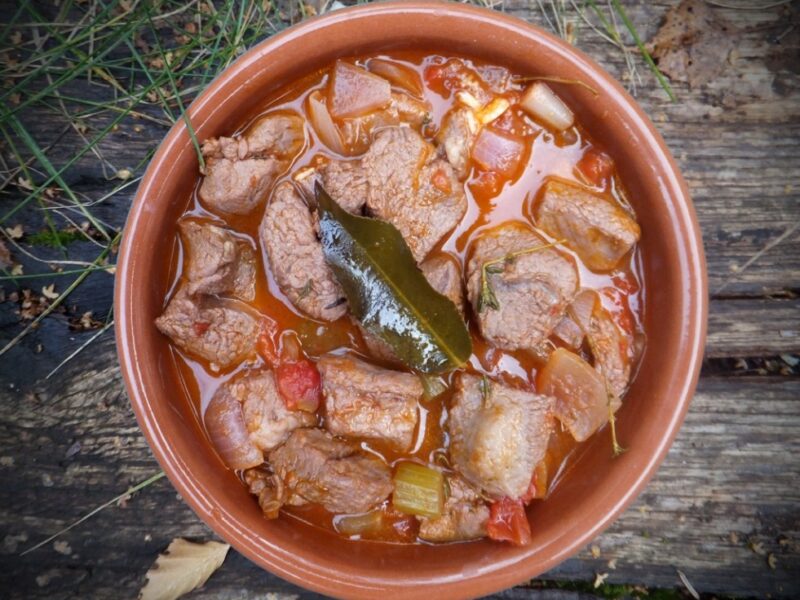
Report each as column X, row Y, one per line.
column 183, row 567
column 693, row 44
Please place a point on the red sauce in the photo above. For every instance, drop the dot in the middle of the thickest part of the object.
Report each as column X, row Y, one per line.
column 492, row 199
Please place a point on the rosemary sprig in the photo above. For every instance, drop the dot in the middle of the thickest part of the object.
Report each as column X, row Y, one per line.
column 486, row 388
column 487, row 297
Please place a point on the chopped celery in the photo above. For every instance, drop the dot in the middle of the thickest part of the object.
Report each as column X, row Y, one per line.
column 418, row 490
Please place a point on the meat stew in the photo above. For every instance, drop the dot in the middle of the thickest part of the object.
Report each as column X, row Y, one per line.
column 510, row 212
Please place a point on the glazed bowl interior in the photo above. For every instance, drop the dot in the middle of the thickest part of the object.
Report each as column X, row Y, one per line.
column 597, row 487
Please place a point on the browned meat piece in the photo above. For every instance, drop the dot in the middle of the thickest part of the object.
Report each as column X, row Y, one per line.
column 465, row 515
column 314, row 466
column 346, row 182
column 223, row 332
column 217, row 262
column 412, row 189
column 498, row 434
column 444, row 275
column 532, row 289
column 455, row 138
column 266, row 417
column 268, row 488
column 240, row 170
column 365, row 401
column 296, row 257
column 599, row 231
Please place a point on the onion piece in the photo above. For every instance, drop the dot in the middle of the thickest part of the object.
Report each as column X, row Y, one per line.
column 498, row 152
column 400, row 75
column 582, row 309
column 580, row 393
column 354, row 92
column 323, row 123
column 224, row 422
column 541, row 102
column 362, row 524
column 493, row 110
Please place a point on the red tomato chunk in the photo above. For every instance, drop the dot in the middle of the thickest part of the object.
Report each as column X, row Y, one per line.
column 299, row 384
column 508, row 522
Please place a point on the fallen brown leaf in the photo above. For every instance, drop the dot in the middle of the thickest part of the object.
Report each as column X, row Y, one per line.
column 693, row 44
column 183, row 567
column 49, row 291
column 5, row 255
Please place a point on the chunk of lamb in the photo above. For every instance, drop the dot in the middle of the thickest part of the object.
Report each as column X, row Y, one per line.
column 223, row 332
column 455, row 138
column 239, row 171
column 465, row 515
column 598, row 230
column 247, row 417
column 365, row 401
column 531, row 289
column 611, row 348
column 498, row 434
column 402, row 181
column 412, row 189
column 296, row 258
column 217, row 262
column 444, row 275
column 314, row 466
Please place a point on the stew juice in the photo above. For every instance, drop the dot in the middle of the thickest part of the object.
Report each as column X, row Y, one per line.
column 523, row 161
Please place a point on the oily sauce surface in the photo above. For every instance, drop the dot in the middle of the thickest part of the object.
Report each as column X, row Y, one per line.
column 492, row 199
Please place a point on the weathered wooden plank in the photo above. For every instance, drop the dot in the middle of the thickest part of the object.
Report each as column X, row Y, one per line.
column 732, row 469
column 753, row 327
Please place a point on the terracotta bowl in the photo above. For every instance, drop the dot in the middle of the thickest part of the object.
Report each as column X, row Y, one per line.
column 597, row 489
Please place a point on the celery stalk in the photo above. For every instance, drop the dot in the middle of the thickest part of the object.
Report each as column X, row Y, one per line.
column 418, row 490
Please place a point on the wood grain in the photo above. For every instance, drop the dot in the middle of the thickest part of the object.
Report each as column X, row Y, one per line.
column 728, row 486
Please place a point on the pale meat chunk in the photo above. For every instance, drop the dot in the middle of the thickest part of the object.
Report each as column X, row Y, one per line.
column 223, row 332
column 239, row 171
column 444, row 275
column 498, row 434
column 465, row 515
column 346, row 182
column 598, row 230
column 532, row 290
column 365, row 401
column 247, row 417
column 296, row 257
column 412, row 189
column 455, row 138
column 217, row 262
column 314, row 466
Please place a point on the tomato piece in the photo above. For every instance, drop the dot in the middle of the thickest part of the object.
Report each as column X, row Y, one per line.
column 508, row 522
column 498, row 152
column 299, row 384
column 200, row 327
column 595, row 166
column 453, row 76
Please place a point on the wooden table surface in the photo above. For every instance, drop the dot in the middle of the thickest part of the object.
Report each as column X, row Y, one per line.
column 723, row 506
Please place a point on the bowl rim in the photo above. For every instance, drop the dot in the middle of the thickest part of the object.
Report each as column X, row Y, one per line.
column 505, row 575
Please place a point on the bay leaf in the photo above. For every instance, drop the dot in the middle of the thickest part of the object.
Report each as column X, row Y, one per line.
column 388, row 293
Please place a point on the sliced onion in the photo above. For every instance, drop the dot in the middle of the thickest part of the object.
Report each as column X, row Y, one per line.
column 400, row 75
column 354, row 92
column 579, row 390
column 582, row 309
column 323, row 123
column 498, row 152
column 225, row 425
column 361, row 524
column 542, row 103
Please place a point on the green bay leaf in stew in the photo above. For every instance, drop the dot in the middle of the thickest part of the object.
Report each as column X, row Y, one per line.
column 388, row 293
